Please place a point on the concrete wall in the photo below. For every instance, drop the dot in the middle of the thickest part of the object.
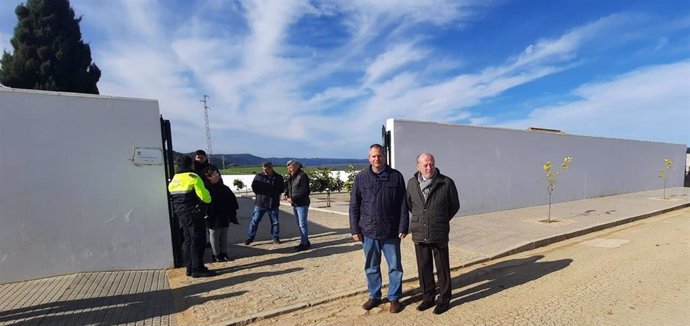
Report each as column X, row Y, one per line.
column 71, row 198
column 497, row 169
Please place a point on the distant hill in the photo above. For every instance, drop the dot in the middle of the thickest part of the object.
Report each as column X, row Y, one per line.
column 253, row 160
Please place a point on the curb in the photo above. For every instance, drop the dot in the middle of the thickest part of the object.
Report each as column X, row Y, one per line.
column 529, row 246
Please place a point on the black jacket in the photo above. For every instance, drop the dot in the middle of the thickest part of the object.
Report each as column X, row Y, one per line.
column 298, row 189
column 430, row 222
column 268, row 190
column 223, row 207
column 378, row 208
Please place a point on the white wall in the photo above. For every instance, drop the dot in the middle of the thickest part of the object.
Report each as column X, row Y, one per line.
column 497, row 169
column 71, row 199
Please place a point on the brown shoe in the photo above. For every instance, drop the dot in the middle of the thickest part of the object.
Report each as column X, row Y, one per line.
column 395, row 307
column 370, row 304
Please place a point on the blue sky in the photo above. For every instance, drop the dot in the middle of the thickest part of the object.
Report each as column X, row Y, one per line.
column 319, row 78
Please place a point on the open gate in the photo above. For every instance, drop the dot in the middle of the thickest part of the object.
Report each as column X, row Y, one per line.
column 169, row 166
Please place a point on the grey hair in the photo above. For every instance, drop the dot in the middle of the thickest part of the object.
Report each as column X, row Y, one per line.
column 296, row 163
column 428, row 154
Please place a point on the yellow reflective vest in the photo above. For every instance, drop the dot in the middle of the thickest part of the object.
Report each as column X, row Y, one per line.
column 187, row 191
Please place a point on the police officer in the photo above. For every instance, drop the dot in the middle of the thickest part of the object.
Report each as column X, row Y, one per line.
column 188, row 199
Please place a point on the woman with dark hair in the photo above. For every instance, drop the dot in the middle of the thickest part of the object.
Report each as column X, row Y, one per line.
column 221, row 212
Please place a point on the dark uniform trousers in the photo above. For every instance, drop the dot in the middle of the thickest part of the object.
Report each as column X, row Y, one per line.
column 194, row 232
column 427, row 254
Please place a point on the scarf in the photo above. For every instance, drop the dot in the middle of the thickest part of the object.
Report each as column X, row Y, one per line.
column 425, row 185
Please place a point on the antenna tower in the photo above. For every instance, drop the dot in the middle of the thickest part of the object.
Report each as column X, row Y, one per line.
column 208, row 129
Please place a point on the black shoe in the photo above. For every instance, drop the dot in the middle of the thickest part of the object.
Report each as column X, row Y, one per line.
column 302, row 247
column 370, row 304
column 188, row 273
column 224, row 257
column 276, row 241
column 425, row 305
column 248, row 241
column 441, row 308
column 204, row 274
column 218, row 259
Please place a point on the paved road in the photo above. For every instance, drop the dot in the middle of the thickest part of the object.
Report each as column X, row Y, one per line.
column 635, row 274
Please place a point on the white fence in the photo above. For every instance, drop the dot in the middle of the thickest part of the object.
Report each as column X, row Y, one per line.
column 229, row 179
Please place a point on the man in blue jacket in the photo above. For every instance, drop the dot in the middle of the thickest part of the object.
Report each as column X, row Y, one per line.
column 379, row 219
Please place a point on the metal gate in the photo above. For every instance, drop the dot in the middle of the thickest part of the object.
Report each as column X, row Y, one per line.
column 169, row 167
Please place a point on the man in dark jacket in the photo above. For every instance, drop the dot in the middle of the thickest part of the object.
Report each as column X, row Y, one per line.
column 200, row 163
column 267, row 186
column 379, row 219
column 297, row 194
column 433, row 200
column 189, row 196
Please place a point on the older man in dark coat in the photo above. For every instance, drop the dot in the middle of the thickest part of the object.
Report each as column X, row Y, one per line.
column 433, row 200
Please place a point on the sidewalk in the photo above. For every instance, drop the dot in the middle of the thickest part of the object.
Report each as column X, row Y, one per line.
column 267, row 280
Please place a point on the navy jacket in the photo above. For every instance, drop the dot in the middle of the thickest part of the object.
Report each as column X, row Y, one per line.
column 378, row 207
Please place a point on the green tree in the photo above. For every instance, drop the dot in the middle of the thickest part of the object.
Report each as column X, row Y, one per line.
column 49, row 53
column 351, row 173
column 321, row 181
column 238, row 184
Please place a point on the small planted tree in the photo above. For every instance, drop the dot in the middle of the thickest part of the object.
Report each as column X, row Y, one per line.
column 664, row 174
column 551, row 178
column 321, row 181
column 238, row 184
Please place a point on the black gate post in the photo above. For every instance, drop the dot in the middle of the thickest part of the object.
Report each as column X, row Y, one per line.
column 169, row 167
column 386, row 143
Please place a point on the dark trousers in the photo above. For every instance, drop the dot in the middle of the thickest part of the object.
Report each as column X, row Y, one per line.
column 427, row 254
column 194, row 245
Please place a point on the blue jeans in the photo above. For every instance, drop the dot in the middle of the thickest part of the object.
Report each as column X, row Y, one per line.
column 301, row 213
column 372, row 266
column 257, row 215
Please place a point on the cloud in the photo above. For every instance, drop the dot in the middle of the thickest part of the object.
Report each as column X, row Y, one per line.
column 650, row 103
column 291, row 78
column 396, row 57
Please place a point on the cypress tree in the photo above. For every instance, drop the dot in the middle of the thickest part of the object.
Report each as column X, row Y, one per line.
column 49, row 53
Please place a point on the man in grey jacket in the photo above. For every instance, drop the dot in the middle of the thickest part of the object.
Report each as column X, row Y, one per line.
column 297, row 194
column 433, row 200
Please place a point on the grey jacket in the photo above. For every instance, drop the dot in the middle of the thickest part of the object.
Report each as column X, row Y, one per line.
column 298, row 189
column 430, row 221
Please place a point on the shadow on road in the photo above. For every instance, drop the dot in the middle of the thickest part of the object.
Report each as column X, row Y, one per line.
column 127, row 308
column 489, row 280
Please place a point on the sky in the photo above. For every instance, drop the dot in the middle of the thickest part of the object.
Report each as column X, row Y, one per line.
column 319, row 78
